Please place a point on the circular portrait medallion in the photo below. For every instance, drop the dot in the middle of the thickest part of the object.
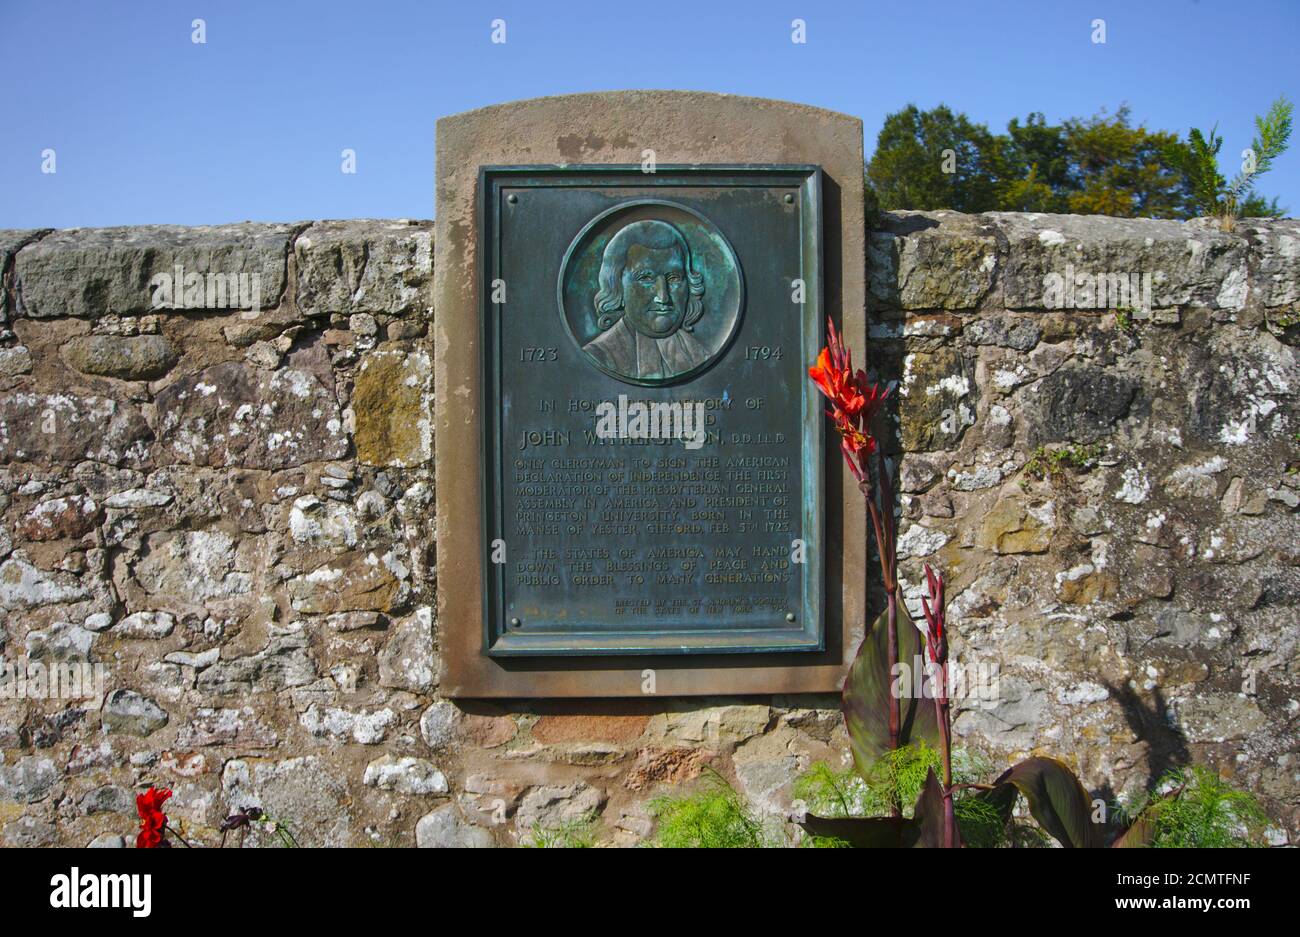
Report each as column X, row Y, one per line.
column 651, row 292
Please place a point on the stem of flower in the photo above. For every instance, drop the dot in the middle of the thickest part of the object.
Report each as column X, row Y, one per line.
column 168, row 827
column 951, row 837
column 943, row 715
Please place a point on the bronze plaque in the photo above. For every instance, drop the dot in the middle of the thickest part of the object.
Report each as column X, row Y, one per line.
column 652, row 447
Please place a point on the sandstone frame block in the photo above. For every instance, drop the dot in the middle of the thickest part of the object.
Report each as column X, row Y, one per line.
column 618, row 128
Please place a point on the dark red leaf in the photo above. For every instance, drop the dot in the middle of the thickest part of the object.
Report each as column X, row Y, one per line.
column 867, row 691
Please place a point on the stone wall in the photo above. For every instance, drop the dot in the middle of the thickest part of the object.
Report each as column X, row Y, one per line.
column 230, row 511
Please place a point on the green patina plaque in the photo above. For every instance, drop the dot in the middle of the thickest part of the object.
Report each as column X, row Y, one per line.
column 652, row 446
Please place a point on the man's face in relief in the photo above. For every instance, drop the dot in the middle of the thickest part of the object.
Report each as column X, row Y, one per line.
column 655, row 291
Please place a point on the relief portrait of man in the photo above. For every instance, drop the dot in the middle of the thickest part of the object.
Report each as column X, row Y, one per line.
column 649, row 300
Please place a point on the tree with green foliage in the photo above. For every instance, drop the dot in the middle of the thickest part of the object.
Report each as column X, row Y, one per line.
column 1104, row 164
column 934, row 159
column 1033, row 166
column 1121, row 170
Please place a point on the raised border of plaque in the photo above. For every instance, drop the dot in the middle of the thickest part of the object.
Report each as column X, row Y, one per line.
column 796, row 629
column 616, row 127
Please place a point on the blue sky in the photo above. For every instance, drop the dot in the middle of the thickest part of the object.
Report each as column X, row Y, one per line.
column 148, row 126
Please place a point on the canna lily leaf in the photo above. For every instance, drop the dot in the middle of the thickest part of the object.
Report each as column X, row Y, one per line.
column 927, row 819
column 860, row 832
column 1056, row 799
column 867, row 692
column 1003, row 799
column 1139, row 834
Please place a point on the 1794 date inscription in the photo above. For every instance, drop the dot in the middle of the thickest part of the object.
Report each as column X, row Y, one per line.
column 653, row 449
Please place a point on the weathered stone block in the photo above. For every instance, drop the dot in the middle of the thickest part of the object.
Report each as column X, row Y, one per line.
column 445, row 828
column 938, row 400
column 438, row 724
column 15, row 360
column 131, row 713
column 234, row 415
column 393, row 408
column 11, row 241
column 1085, row 584
column 59, row 519
column 1185, row 263
column 358, row 582
column 147, row 625
column 551, row 805
column 562, row 729
column 130, row 358
column 364, row 728
column 306, row 792
column 194, row 565
column 320, row 523
column 405, row 775
column 1078, row 405
column 111, row 798
column 283, row 663
column 59, row 427
column 1276, row 280
column 1011, row 526
column 92, row 272
column 239, row 728
column 23, row 585
column 1017, row 333
column 28, row 780
column 365, row 267
column 29, row 832
column 931, row 260
column 407, row 661
column 63, row 642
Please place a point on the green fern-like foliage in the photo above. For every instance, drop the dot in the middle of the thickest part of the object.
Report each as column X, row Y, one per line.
column 1197, row 160
column 826, row 792
column 1272, row 135
column 981, row 823
column 572, row 834
column 896, row 778
column 714, row 816
column 983, row 826
column 1208, row 813
column 830, row 793
column 901, row 775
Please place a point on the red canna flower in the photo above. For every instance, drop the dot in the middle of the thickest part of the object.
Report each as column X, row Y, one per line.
column 856, row 446
column 854, row 401
column 833, row 373
column 152, row 819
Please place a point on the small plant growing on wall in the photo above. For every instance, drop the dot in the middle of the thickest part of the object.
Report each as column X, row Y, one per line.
column 714, row 816
column 1053, row 465
column 578, row 833
column 1205, row 812
column 1212, row 194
